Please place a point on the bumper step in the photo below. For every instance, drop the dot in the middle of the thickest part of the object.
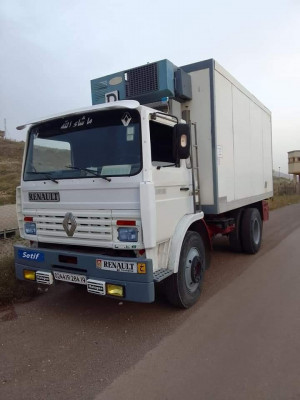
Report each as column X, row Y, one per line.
column 161, row 274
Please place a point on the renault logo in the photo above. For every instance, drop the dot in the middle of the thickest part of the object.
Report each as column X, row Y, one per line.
column 69, row 224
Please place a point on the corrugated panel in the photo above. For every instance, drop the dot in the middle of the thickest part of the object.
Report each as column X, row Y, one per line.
column 142, row 80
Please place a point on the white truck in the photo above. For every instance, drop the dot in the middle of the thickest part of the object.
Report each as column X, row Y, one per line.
column 131, row 191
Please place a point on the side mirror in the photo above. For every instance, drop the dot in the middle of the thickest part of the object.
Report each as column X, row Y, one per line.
column 181, row 141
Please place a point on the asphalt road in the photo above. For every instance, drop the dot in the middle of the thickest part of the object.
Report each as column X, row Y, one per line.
column 240, row 341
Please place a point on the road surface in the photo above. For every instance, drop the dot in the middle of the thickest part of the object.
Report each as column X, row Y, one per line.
column 240, row 341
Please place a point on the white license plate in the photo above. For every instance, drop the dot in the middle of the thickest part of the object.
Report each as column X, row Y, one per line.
column 71, row 278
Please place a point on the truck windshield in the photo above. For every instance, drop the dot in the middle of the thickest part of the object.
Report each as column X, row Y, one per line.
column 103, row 144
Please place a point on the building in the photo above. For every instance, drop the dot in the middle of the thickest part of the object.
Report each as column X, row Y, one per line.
column 294, row 164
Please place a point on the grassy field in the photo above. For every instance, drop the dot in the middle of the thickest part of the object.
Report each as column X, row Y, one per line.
column 283, row 200
column 11, row 154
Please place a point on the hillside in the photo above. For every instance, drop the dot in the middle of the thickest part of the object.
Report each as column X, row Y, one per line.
column 11, row 154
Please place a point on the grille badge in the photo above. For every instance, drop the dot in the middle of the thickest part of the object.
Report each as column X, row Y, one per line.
column 69, row 224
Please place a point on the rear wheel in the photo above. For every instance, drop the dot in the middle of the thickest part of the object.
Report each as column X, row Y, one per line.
column 251, row 230
column 184, row 288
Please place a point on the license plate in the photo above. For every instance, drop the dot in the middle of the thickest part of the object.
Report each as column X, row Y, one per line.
column 71, row 278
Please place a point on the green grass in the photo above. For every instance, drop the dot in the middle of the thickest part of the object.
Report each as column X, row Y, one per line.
column 283, row 200
column 284, row 193
column 11, row 154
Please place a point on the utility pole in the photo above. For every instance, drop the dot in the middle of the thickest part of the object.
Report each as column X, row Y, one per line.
column 4, row 128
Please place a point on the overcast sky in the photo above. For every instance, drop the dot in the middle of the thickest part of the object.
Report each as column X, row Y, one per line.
column 51, row 49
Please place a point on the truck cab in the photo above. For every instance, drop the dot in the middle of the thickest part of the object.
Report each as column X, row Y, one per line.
column 102, row 192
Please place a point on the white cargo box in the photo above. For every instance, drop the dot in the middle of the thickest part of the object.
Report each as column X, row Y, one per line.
column 234, row 139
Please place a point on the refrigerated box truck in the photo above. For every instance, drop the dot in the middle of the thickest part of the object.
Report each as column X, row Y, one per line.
column 130, row 192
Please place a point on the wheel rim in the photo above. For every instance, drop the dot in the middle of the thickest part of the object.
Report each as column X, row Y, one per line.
column 256, row 232
column 193, row 269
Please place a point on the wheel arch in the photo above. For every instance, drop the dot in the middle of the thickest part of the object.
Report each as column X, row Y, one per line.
column 262, row 206
column 201, row 227
column 193, row 222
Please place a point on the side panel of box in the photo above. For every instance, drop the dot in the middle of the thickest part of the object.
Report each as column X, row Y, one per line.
column 243, row 145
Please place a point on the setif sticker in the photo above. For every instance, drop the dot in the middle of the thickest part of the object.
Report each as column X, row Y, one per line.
column 31, row 255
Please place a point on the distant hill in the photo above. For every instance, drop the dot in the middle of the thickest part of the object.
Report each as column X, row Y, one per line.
column 11, row 154
column 277, row 174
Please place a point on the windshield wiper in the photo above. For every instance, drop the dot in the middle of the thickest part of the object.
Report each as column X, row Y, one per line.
column 47, row 175
column 90, row 171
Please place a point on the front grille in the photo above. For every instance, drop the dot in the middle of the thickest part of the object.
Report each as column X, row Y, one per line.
column 91, row 225
column 142, row 80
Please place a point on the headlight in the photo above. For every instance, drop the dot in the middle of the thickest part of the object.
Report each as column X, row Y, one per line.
column 128, row 234
column 30, row 228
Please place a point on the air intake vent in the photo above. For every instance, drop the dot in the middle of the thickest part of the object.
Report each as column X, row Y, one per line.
column 141, row 80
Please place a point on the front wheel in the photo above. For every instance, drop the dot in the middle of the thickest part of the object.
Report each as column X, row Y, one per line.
column 184, row 288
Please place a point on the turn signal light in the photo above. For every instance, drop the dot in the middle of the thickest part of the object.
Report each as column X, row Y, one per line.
column 122, row 222
column 114, row 290
column 29, row 275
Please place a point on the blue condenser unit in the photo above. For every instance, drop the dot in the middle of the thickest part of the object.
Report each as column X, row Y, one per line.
column 147, row 84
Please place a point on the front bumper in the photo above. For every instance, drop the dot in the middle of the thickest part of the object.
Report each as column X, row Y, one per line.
column 138, row 287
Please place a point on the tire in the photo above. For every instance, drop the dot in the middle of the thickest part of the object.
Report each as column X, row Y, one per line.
column 251, row 230
column 184, row 288
column 234, row 237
